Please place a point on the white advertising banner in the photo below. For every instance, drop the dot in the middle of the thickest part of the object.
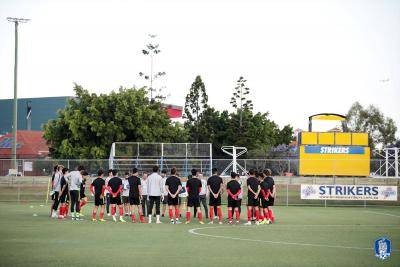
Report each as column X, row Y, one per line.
column 348, row 192
column 28, row 166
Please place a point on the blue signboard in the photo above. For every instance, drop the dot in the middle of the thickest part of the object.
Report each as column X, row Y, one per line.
column 334, row 150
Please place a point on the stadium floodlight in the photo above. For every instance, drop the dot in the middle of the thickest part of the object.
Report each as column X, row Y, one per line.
column 16, row 22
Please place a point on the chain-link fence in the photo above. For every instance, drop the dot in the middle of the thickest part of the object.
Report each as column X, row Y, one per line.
column 279, row 167
column 35, row 189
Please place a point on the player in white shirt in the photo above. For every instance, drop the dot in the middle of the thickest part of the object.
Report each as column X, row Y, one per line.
column 165, row 192
column 155, row 193
column 145, row 201
column 203, row 194
column 75, row 180
column 56, row 189
column 107, row 194
column 125, row 194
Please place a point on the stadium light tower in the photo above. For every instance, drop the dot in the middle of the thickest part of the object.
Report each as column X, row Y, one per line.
column 16, row 22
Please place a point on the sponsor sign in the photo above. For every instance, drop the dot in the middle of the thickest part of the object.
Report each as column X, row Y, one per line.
column 28, row 166
column 348, row 192
column 334, row 150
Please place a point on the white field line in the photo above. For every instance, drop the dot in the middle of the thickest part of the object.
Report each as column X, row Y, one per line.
column 193, row 231
column 382, row 213
column 327, row 225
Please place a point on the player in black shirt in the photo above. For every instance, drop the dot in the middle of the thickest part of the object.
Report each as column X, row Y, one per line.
column 193, row 187
column 270, row 185
column 97, row 189
column 254, row 189
column 233, row 189
column 82, row 195
column 115, row 189
column 135, row 195
column 63, row 194
column 173, row 186
column 214, row 184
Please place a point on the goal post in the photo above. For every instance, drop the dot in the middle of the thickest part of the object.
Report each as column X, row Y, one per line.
column 184, row 156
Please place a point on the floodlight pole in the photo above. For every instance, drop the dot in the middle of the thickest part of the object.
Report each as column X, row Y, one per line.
column 236, row 152
column 16, row 22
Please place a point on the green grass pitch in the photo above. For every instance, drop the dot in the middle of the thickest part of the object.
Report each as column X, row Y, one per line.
column 302, row 236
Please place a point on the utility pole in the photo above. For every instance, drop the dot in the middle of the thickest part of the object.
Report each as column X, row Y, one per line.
column 16, row 22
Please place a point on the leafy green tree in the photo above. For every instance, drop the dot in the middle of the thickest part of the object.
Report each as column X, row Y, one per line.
column 195, row 103
column 240, row 99
column 214, row 127
column 381, row 129
column 259, row 134
column 90, row 123
column 285, row 135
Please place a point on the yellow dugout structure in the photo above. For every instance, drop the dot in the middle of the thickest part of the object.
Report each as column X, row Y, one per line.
column 333, row 153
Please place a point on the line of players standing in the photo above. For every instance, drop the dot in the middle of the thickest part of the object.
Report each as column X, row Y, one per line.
column 69, row 189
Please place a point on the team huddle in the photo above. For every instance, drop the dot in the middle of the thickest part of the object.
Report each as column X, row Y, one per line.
column 132, row 195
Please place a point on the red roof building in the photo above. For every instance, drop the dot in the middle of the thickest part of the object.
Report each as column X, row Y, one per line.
column 30, row 144
column 174, row 112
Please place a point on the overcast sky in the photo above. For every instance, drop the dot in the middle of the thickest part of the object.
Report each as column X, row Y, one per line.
column 299, row 57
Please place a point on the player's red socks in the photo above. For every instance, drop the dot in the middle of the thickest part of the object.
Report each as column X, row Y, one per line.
column 177, row 213
column 113, row 210
column 171, row 215
column 83, row 203
column 94, row 214
column 200, row 216
column 249, row 214
column 219, row 214
column 121, row 211
column 211, row 213
column 101, row 215
column 60, row 214
column 141, row 217
column 133, row 217
column 188, row 216
column 230, row 215
column 237, row 215
column 257, row 215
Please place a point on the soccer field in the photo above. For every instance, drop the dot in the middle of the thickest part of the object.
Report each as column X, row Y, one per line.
column 302, row 236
